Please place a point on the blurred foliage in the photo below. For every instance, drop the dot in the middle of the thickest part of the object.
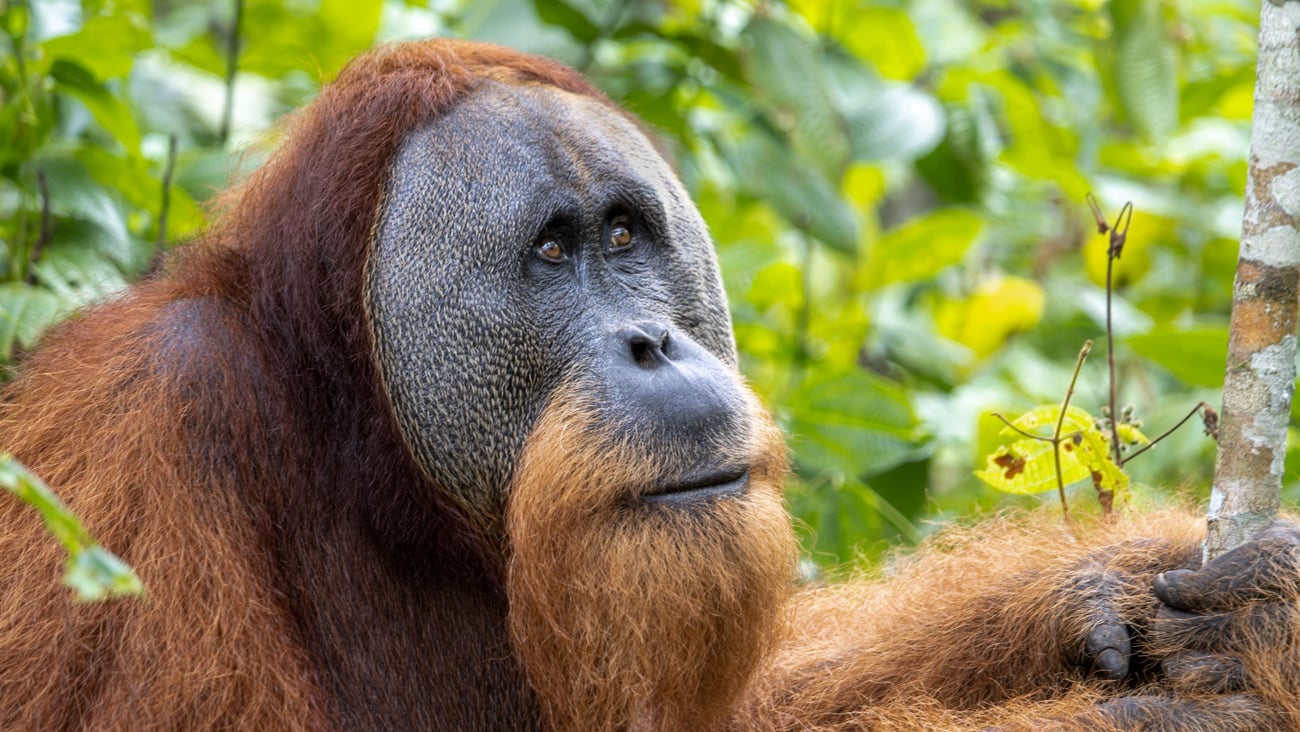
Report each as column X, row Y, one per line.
column 896, row 189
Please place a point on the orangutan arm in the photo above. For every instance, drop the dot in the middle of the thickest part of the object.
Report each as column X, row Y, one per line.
column 1018, row 624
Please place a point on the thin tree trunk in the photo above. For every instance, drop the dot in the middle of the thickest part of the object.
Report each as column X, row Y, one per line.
column 1260, row 376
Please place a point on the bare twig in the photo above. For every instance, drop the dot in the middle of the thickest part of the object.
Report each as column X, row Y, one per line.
column 46, row 226
column 166, row 191
column 232, row 65
column 1169, row 431
column 1118, row 235
column 1060, row 423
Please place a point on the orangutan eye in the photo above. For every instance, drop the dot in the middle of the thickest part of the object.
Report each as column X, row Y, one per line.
column 620, row 233
column 549, row 248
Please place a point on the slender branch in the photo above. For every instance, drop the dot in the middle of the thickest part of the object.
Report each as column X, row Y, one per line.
column 1060, row 423
column 1069, row 393
column 1118, row 235
column 1169, row 431
column 1102, row 226
column 166, row 191
column 46, row 226
column 804, row 317
column 232, row 65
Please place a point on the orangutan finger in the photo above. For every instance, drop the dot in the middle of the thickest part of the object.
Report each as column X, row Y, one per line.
column 1099, row 595
column 1211, row 673
column 1235, row 713
column 1109, row 647
column 1174, row 631
column 1265, row 569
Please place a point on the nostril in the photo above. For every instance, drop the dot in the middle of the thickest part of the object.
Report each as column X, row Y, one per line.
column 647, row 343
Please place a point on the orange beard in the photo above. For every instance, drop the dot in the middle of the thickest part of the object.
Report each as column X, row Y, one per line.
column 634, row 616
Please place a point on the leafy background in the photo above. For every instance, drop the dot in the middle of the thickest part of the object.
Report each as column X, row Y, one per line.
column 896, row 190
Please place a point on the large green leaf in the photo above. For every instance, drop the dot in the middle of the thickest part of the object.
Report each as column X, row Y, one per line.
column 97, row 218
column 800, row 194
column 107, row 44
column 565, row 15
column 788, row 73
column 26, row 311
column 856, row 424
column 74, row 268
column 1145, row 67
column 282, row 39
column 891, row 121
column 923, row 247
column 1197, row 356
column 108, row 109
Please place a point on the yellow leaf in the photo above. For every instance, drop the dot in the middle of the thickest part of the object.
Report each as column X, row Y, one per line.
column 997, row 310
column 1131, row 435
column 1027, row 466
column 1076, row 420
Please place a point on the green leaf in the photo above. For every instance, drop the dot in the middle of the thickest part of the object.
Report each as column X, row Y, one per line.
column 107, row 109
column 94, row 573
column 1027, row 466
column 799, row 193
column 923, row 247
column 1146, row 69
column 566, row 16
column 884, row 36
column 26, row 311
column 788, row 73
column 91, row 571
column 106, row 44
column 1196, row 356
column 891, row 121
column 1047, row 415
column 351, row 26
column 77, row 271
column 856, row 423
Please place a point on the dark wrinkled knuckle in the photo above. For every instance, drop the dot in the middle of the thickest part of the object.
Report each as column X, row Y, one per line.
column 1108, row 635
column 1205, row 672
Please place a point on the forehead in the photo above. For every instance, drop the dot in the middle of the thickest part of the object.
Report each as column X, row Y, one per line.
column 529, row 150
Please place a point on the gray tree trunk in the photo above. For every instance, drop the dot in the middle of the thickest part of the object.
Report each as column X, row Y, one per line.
column 1260, row 376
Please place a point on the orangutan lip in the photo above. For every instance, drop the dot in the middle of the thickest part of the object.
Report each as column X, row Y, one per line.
column 703, row 488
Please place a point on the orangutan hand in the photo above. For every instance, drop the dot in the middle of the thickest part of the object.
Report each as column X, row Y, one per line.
column 1196, row 639
column 1192, row 630
column 1243, row 601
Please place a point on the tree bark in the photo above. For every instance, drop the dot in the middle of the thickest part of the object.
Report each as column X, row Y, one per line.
column 1260, row 375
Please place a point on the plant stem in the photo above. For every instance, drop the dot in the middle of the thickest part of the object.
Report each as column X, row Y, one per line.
column 1169, row 431
column 1118, row 235
column 46, row 226
column 165, row 204
column 232, row 65
column 1060, row 424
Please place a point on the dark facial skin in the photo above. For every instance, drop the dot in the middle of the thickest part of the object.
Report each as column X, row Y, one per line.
column 530, row 239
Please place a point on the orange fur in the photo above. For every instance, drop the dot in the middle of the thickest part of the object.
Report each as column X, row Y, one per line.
column 223, row 429
column 628, row 615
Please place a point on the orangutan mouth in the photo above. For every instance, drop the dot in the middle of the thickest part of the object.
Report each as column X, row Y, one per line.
column 699, row 487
